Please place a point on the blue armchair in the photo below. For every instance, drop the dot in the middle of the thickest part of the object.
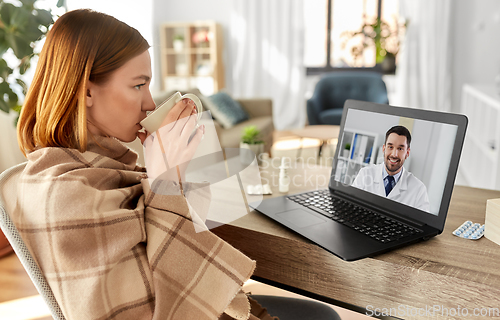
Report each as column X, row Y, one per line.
column 332, row 90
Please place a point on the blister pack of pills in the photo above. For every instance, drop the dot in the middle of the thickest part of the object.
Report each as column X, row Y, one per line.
column 469, row 230
column 259, row 189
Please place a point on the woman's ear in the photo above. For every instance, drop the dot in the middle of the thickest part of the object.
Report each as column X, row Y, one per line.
column 88, row 95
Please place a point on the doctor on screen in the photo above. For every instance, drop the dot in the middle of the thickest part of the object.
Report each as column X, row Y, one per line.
column 390, row 179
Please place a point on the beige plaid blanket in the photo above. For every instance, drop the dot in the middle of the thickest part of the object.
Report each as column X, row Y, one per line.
column 112, row 248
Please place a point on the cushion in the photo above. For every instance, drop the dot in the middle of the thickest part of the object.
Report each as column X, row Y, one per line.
column 226, row 110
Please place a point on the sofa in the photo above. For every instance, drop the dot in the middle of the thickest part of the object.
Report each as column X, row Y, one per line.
column 260, row 111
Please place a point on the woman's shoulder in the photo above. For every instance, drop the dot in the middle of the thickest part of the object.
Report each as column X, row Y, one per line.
column 100, row 156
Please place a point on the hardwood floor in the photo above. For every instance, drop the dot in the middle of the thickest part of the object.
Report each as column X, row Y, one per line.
column 14, row 280
column 18, row 294
column 255, row 287
column 15, row 284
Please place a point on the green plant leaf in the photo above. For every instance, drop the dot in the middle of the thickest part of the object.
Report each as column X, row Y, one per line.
column 25, row 64
column 3, row 43
column 13, row 99
column 23, row 85
column 6, row 92
column 60, row 3
column 20, row 17
column 28, row 3
column 5, row 70
column 20, row 28
column 44, row 17
column 4, row 106
column 20, row 47
column 32, row 32
column 17, row 108
column 251, row 135
column 6, row 13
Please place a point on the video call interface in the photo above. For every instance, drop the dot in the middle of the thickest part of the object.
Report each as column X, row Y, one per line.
column 419, row 170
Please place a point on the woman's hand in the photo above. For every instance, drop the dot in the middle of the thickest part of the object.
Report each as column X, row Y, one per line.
column 173, row 138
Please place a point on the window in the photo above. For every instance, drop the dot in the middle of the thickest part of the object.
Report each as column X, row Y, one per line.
column 342, row 34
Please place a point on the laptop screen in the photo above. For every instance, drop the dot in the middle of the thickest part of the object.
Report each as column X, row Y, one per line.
column 399, row 154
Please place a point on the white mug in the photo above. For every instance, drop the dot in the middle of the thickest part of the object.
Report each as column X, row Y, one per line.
column 154, row 119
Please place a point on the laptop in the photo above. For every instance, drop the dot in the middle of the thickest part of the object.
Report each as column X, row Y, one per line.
column 355, row 218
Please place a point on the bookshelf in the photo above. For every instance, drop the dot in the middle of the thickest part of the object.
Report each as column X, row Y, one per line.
column 363, row 148
column 191, row 56
column 480, row 161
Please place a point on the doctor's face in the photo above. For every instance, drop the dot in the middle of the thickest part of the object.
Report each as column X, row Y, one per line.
column 396, row 151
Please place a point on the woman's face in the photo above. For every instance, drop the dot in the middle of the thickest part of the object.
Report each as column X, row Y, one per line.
column 116, row 107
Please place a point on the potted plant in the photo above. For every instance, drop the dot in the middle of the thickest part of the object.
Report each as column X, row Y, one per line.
column 250, row 140
column 178, row 42
column 378, row 34
column 22, row 26
column 347, row 149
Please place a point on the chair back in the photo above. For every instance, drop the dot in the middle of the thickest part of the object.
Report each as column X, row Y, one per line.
column 333, row 89
column 8, row 187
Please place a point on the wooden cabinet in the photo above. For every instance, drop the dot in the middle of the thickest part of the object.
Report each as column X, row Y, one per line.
column 191, row 56
column 480, row 161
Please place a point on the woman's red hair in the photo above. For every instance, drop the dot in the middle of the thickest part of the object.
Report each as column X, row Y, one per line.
column 82, row 45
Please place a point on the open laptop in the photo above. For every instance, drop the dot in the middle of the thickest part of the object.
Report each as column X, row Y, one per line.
column 354, row 219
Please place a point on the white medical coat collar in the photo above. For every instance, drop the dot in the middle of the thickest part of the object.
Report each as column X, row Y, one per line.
column 402, row 184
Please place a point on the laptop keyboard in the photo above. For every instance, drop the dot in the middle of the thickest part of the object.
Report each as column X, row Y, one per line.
column 370, row 223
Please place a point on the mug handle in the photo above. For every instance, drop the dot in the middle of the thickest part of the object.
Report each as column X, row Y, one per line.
column 197, row 102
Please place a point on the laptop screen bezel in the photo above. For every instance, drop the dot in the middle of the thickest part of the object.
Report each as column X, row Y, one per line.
column 390, row 206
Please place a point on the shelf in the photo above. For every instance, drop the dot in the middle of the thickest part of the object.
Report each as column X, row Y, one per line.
column 190, row 75
column 187, row 51
column 190, row 51
column 360, row 145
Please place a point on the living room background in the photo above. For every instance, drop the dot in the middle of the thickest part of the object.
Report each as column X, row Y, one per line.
column 474, row 26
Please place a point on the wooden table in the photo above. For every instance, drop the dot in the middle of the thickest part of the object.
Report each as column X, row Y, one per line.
column 320, row 132
column 445, row 271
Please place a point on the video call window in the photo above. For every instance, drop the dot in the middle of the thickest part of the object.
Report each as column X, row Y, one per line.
column 362, row 158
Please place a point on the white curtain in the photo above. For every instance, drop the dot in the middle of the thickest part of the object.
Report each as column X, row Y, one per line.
column 266, row 56
column 10, row 154
column 425, row 67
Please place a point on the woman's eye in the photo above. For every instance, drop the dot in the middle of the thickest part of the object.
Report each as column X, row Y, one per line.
column 138, row 87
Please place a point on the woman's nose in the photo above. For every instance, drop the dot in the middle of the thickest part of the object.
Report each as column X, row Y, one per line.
column 148, row 103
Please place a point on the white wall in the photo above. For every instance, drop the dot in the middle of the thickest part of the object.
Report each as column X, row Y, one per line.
column 136, row 14
column 476, row 44
column 476, row 47
column 476, row 25
column 186, row 11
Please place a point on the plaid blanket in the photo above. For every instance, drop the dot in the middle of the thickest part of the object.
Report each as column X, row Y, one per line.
column 113, row 248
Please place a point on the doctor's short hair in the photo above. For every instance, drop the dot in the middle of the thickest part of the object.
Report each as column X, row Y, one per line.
column 400, row 131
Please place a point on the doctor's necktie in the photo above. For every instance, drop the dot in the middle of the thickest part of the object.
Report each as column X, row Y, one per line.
column 389, row 184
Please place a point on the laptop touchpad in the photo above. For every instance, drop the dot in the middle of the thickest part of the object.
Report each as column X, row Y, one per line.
column 300, row 218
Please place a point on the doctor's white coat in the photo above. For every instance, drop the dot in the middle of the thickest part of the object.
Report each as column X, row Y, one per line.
column 409, row 190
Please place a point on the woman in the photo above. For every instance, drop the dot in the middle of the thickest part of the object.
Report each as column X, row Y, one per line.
column 110, row 245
